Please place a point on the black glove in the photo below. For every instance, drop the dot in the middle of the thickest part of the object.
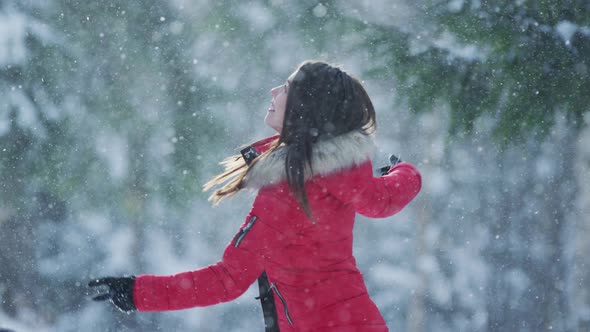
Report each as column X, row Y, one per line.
column 120, row 292
column 393, row 160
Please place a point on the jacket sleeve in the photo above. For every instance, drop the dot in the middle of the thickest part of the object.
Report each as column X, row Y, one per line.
column 374, row 197
column 220, row 282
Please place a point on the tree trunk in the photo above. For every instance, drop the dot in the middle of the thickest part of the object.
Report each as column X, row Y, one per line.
column 435, row 129
column 416, row 311
column 578, row 284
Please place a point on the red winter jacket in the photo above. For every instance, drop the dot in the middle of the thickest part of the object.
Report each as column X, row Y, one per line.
column 311, row 269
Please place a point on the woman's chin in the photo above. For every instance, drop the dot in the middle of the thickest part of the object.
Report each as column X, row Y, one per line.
column 275, row 128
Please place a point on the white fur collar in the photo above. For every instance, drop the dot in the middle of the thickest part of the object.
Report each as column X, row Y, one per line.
column 328, row 156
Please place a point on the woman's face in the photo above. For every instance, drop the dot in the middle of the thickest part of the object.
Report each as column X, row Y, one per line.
column 276, row 111
column 278, row 104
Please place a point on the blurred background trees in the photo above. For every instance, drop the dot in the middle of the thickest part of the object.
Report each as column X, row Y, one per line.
column 114, row 113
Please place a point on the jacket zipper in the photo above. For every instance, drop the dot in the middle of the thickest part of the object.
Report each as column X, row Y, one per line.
column 244, row 231
column 273, row 286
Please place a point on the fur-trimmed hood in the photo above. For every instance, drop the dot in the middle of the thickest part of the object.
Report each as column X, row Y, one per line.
column 328, row 156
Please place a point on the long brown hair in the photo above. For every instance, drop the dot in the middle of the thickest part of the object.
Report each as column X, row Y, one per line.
column 322, row 102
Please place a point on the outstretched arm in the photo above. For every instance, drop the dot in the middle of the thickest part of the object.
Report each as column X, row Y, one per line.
column 220, row 282
column 375, row 197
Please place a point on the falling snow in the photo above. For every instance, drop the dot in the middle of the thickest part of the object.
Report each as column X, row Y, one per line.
column 112, row 117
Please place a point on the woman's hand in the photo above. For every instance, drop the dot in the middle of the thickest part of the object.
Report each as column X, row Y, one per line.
column 120, row 292
column 393, row 160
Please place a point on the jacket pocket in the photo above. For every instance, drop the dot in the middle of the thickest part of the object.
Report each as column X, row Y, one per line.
column 273, row 286
column 242, row 233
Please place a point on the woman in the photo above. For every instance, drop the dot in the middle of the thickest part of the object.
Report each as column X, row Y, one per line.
column 297, row 239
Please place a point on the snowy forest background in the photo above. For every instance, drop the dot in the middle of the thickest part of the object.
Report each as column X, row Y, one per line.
column 114, row 113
